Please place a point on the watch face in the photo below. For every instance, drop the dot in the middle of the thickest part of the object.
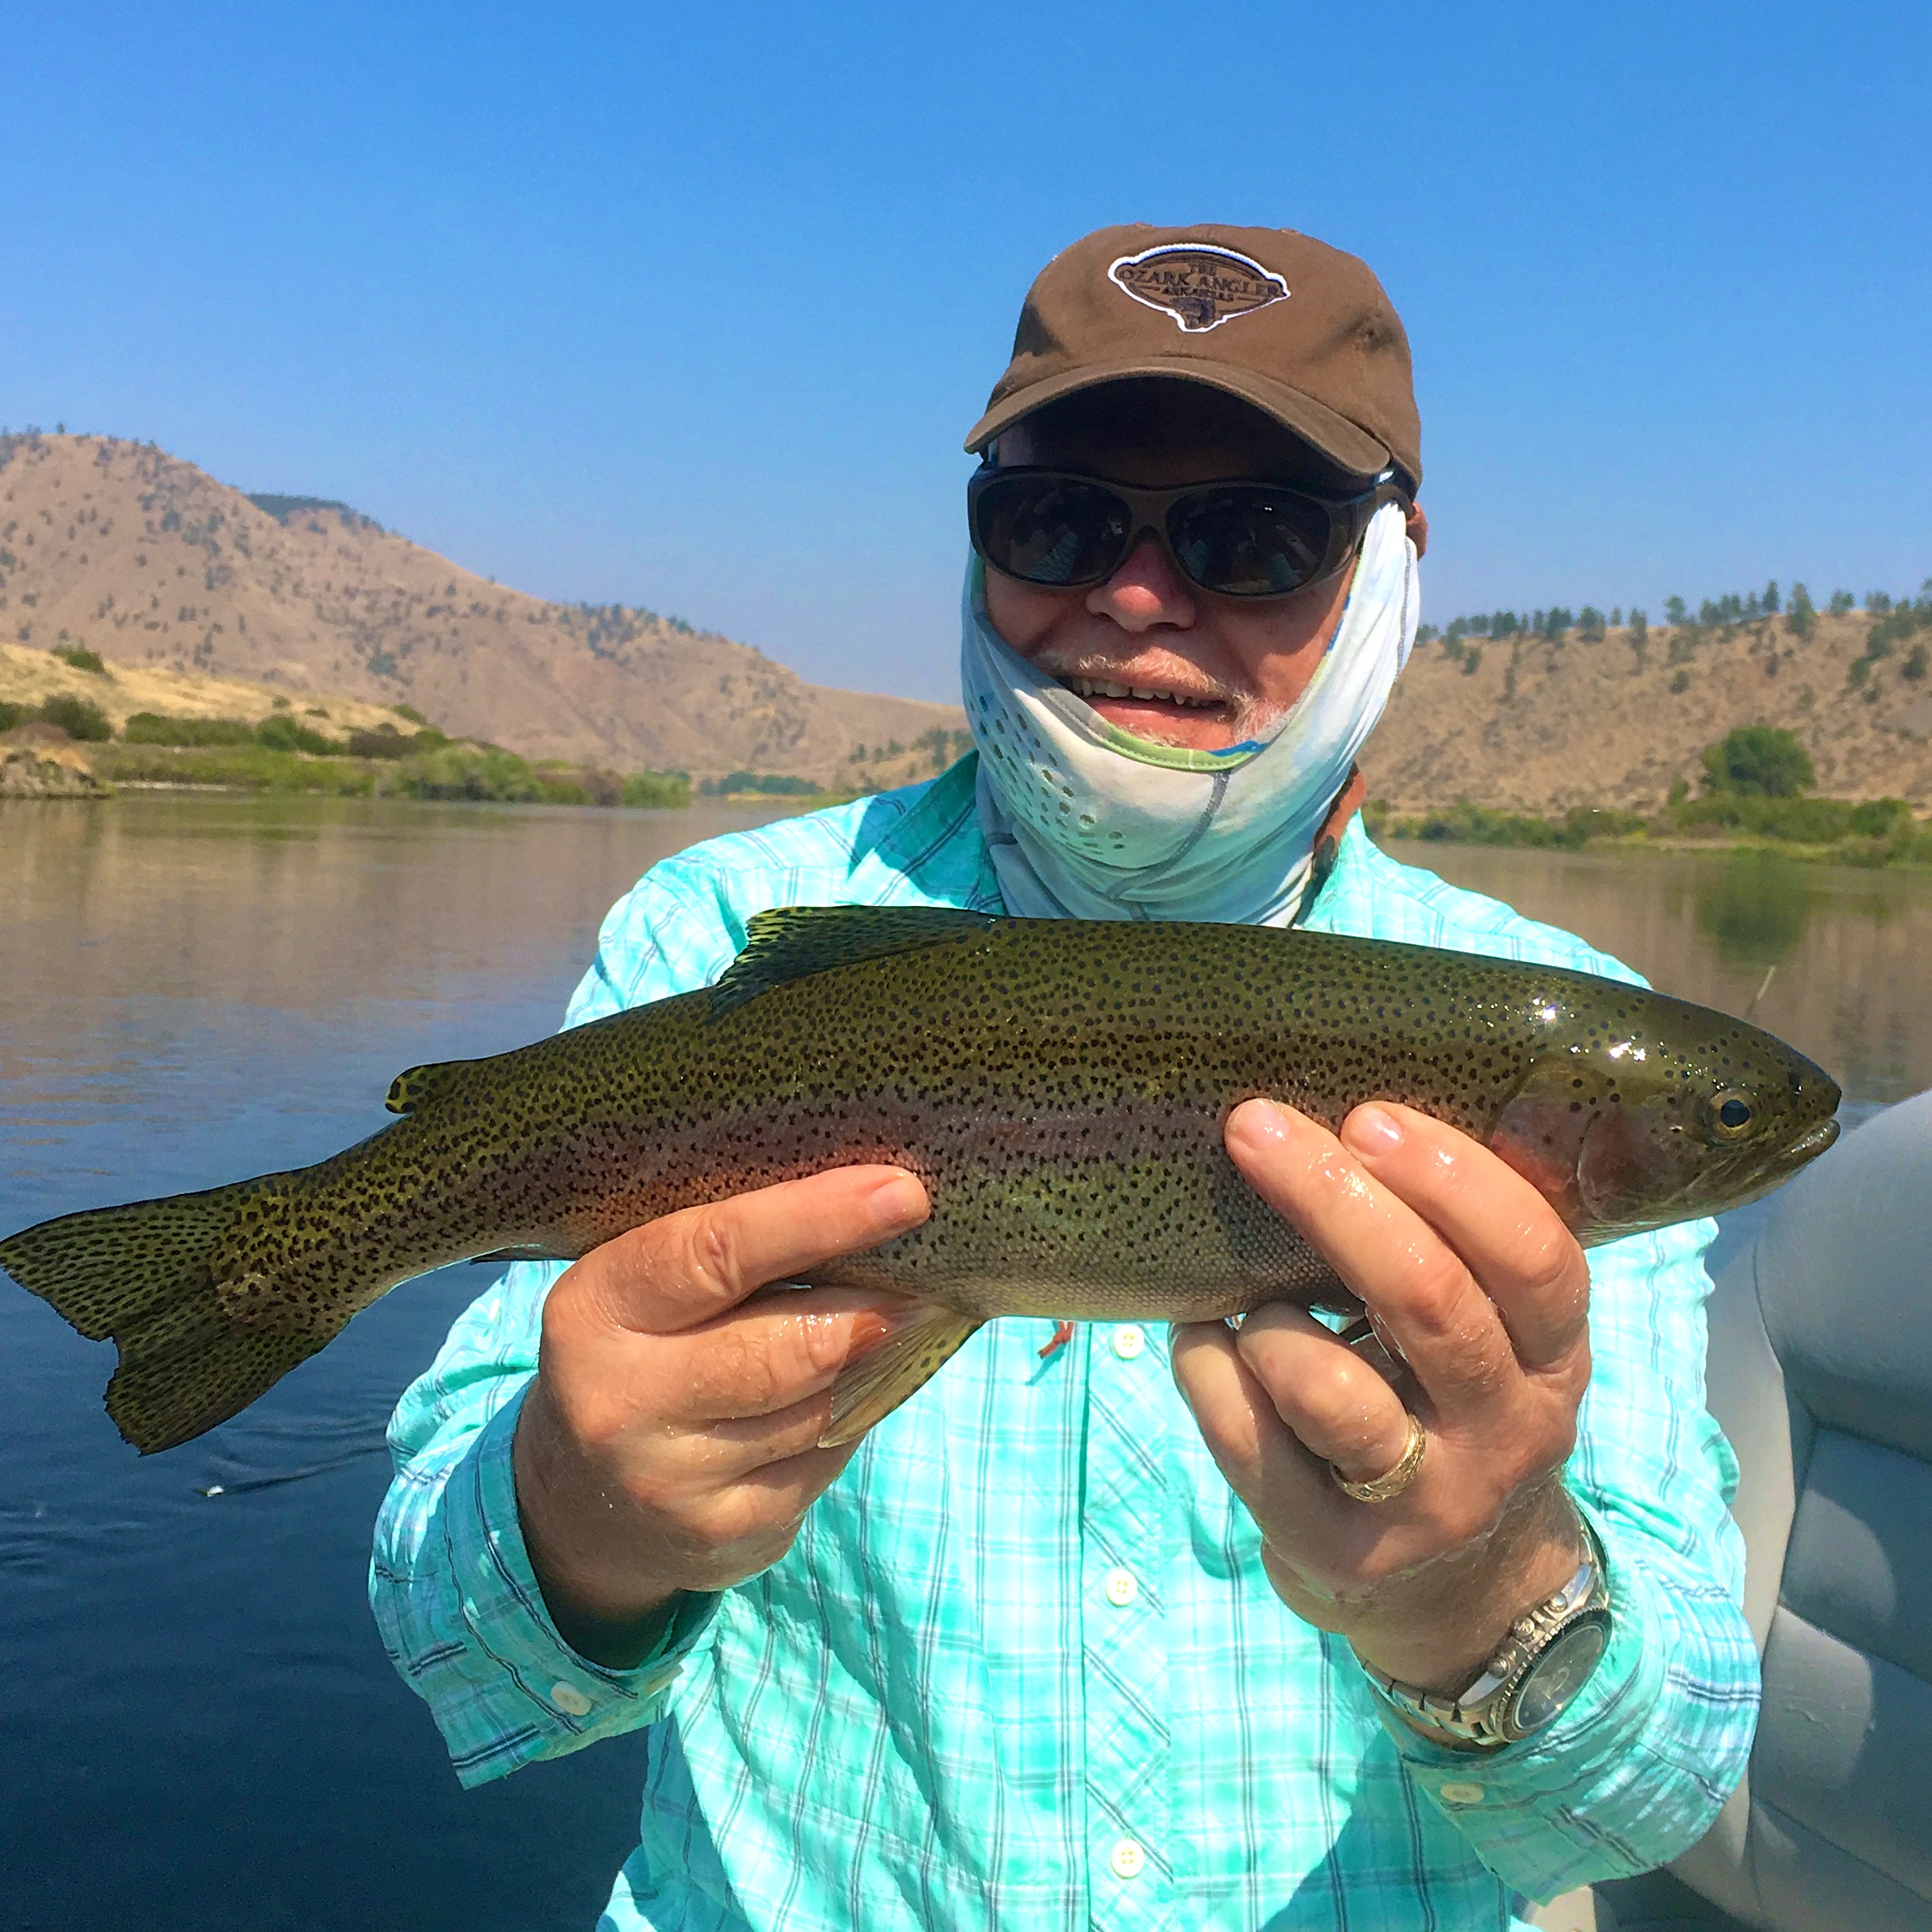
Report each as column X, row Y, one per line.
column 1558, row 1674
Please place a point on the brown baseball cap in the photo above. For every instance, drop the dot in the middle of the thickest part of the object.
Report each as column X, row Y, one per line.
column 1298, row 329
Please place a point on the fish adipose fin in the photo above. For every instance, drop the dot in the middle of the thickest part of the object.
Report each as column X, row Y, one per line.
column 142, row 1275
column 794, row 941
column 871, row 1388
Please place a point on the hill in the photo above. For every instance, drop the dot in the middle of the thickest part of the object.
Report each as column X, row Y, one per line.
column 151, row 563
column 148, row 561
column 1541, row 726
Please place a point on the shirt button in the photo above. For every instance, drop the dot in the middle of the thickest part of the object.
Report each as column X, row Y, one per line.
column 1460, row 1794
column 569, row 1700
column 1129, row 1342
column 1121, row 1588
column 1127, row 1859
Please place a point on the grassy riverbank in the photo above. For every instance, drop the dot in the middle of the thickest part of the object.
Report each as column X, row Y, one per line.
column 1878, row 832
column 443, row 770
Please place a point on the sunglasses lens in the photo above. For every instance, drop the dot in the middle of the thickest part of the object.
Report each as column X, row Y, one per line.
column 1249, row 543
column 1056, row 531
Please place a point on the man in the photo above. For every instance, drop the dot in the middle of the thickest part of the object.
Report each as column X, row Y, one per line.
column 1102, row 1628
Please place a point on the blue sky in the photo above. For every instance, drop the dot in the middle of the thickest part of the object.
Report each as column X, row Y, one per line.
column 690, row 307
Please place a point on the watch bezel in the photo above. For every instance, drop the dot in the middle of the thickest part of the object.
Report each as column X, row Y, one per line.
column 1509, row 1724
column 1483, row 1716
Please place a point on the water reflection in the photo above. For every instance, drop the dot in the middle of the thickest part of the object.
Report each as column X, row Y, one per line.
column 1755, row 910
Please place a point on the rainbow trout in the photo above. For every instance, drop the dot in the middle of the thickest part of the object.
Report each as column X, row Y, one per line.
column 1059, row 1086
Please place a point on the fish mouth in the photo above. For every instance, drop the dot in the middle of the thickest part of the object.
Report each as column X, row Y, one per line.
column 1812, row 1142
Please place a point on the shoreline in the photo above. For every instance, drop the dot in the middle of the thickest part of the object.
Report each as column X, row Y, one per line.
column 1905, row 845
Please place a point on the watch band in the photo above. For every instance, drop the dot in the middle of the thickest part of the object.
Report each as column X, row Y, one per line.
column 1506, row 1703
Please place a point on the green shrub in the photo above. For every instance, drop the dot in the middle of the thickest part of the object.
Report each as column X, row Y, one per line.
column 464, row 772
column 1877, row 817
column 1801, row 821
column 147, row 728
column 280, row 733
column 774, row 784
column 1463, row 824
column 1759, row 760
column 10, row 714
column 385, row 742
column 78, row 718
column 657, row 788
column 80, row 658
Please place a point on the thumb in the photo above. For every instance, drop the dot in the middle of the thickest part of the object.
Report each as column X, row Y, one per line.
column 688, row 1267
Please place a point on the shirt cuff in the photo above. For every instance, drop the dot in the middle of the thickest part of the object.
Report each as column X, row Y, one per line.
column 1587, row 1798
column 549, row 1699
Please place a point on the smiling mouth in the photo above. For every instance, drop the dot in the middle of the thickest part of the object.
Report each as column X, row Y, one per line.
column 1090, row 688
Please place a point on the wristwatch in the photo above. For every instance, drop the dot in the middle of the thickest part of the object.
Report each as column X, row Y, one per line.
column 1536, row 1673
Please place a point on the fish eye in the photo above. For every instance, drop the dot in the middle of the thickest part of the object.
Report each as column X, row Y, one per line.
column 1732, row 1115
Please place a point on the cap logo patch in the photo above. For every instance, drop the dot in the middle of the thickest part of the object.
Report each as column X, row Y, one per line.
column 1200, row 285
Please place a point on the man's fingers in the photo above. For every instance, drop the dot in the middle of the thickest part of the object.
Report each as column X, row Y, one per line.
column 1422, row 1291
column 1338, row 1405
column 674, row 1273
column 1528, row 1262
column 1238, row 1421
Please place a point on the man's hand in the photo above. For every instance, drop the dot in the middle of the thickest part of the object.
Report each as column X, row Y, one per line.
column 1469, row 1272
column 670, row 1440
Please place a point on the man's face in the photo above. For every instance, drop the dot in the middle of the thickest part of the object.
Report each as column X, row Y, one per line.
column 1151, row 651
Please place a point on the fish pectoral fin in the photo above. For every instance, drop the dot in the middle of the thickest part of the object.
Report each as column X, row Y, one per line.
column 794, row 941
column 871, row 1388
column 416, row 1086
column 529, row 1251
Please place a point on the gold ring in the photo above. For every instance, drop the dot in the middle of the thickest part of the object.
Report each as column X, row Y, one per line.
column 1385, row 1487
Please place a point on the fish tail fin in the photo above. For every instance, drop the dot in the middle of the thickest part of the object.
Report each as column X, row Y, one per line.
column 143, row 1275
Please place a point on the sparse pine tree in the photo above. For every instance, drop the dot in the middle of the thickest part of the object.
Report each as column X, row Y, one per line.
column 1674, row 612
column 1798, row 612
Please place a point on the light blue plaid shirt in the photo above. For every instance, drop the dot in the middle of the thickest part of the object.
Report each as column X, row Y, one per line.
column 1023, row 1666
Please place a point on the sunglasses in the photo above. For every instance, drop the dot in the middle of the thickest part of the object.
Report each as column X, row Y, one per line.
column 1238, row 539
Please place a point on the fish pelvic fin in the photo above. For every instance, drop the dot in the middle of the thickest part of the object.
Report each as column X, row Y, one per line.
column 143, row 1275
column 871, row 1388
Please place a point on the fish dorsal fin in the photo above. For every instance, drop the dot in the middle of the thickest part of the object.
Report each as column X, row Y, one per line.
column 416, row 1086
column 794, row 941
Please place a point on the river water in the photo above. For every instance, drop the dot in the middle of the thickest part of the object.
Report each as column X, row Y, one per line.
column 200, row 1728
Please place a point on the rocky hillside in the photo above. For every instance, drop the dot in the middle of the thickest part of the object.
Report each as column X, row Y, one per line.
column 1528, row 725
column 123, row 549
